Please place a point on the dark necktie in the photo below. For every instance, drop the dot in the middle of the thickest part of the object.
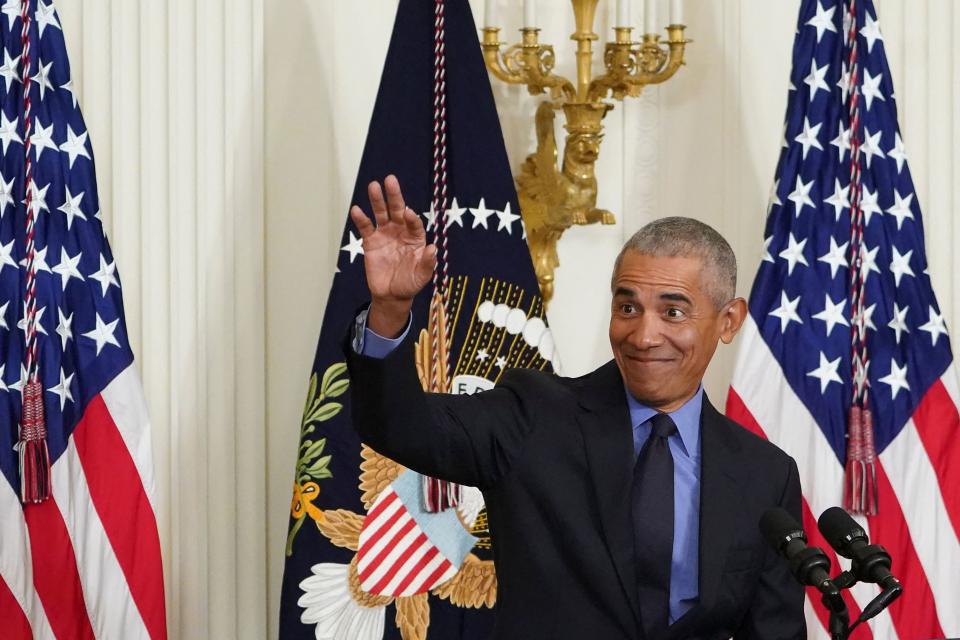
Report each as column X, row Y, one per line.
column 653, row 525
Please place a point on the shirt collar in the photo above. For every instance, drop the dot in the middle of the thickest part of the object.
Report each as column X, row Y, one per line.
column 687, row 418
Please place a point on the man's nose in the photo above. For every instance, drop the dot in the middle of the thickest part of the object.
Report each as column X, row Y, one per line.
column 646, row 332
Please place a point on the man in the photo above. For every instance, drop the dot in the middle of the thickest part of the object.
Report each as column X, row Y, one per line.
column 621, row 504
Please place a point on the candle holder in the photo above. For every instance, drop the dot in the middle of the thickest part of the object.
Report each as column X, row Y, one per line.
column 555, row 197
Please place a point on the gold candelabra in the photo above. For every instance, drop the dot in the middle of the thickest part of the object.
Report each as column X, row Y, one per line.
column 552, row 197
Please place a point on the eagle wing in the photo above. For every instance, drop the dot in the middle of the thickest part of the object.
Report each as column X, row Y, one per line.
column 474, row 586
column 376, row 473
column 341, row 527
column 413, row 616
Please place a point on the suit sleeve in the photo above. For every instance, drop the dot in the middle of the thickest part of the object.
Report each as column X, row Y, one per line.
column 777, row 609
column 467, row 439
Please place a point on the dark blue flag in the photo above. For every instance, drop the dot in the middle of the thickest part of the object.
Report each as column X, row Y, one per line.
column 417, row 574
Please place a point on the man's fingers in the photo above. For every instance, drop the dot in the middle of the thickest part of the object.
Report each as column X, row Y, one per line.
column 375, row 193
column 360, row 220
column 414, row 224
column 395, row 203
column 428, row 261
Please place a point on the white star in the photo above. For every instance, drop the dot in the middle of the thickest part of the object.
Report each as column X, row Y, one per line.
column 865, row 321
column 76, row 145
column 17, row 385
column 899, row 152
column 823, row 21
column 43, row 78
column 42, row 137
column 12, row 10
column 431, row 217
column 871, row 31
column 9, row 70
column 871, row 146
column 934, row 326
column 901, row 208
column 102, row 334
column 868, row 203
column 816, row 80
column 900, row 264
column 826, row 372
column 868, row 261
column 897, row 378
column 39, row 200
column 5, row 255
column 842, row 142
column 832, row 314
column 63, row 389
column 500, row 362
column 899, row 321
column 844, row 83
column 871, row 88
column 46, row 16
column 766, row 249
column 3, row 315
column 6, row 194
column 840, row 199
column 3, row 385
column 808, row 137
column 71, row 207
column 801, row 196
column 794, row 253
column 68, row 86
column 39, row 261
column 354, row 246
column 64, row 328
column 22, row 324
column 836, row 257
column 68, row 267
column 507, row 218
column 480, row 215
column 455, row 214
column 774, row 200
column 787, row 311
column 784, row 143
column 482, row 355
column 860, row 372
column 107, row 276
column 8, row 131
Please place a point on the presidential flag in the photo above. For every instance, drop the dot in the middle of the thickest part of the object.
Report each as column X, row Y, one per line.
column 375, row 550
column 845, row 360
column 79, row 549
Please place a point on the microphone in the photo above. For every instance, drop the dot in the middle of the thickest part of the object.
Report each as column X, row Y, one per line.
column 809, row 565
column 870, row 562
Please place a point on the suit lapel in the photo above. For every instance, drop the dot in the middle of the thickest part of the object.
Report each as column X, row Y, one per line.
column 719, row 487
column 608, row 441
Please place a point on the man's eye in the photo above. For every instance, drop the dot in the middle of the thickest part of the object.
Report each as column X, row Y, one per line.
column 674, row 312
column 627, row 308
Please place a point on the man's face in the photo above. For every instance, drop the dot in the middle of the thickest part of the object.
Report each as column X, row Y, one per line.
column 664, row 327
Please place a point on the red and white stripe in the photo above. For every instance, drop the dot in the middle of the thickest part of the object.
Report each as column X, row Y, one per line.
column 86, row 563
column 919, row 492
column 394, row 555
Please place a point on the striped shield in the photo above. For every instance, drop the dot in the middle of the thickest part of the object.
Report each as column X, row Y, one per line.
column 405, row 550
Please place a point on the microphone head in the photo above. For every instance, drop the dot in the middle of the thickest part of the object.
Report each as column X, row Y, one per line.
column 840, row 530
column 779, row 528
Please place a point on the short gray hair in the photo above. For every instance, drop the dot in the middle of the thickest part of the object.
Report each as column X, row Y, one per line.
column 685, row 237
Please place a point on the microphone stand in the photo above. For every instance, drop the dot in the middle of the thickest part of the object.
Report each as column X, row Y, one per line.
column 840, row 627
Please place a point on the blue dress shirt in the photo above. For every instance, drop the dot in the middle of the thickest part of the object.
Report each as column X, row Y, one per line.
column 685, row 447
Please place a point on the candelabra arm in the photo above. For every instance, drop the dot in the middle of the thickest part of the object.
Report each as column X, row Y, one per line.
column 631, row 66
column 529, row 63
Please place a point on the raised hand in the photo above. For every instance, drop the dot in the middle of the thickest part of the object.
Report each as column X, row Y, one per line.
column 398, row 260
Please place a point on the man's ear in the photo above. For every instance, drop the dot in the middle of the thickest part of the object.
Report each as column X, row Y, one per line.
column 731, row 319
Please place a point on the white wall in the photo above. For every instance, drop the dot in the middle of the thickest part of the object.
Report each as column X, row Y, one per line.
column 227, row 137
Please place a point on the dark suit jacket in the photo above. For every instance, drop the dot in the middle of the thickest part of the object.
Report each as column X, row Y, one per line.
column 554, row 457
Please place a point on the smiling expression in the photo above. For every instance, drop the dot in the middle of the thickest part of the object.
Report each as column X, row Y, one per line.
column 664, row 327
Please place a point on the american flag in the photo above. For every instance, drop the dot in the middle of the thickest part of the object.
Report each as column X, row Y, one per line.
column 85, row 562
column 843, row 199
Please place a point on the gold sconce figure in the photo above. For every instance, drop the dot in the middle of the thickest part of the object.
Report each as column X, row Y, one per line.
column 554, row 197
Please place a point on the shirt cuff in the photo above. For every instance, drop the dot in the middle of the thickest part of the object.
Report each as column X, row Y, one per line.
column 369, row 343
